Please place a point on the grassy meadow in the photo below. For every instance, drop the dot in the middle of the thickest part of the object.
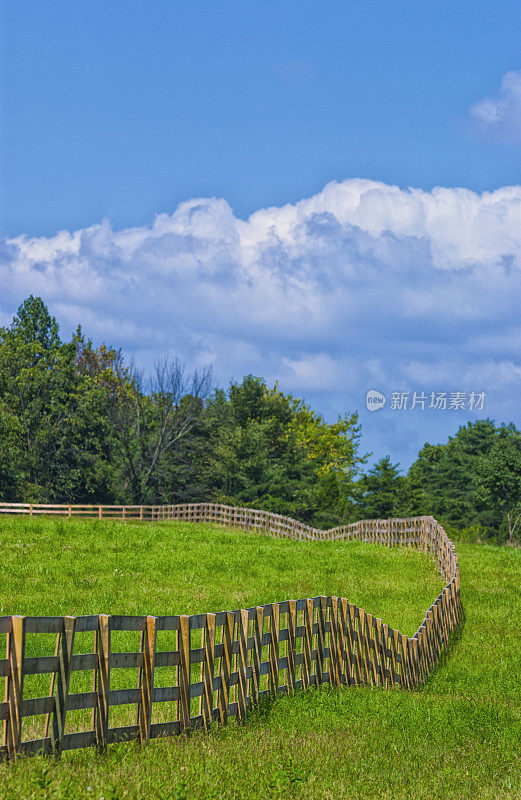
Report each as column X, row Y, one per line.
column 458, row 737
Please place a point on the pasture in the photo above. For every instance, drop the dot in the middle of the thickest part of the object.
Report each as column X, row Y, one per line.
column 458, row 736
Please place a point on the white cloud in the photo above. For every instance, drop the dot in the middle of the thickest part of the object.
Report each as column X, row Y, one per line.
column 499, row 117
column 362, row 285
column 316, row 371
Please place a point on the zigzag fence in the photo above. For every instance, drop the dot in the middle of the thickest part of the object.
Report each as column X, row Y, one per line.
column 188, row 672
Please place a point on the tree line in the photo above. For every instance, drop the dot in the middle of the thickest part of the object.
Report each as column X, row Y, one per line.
column 80, row 425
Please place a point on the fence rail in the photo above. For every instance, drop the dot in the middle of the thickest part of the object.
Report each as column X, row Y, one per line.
column 221, row 664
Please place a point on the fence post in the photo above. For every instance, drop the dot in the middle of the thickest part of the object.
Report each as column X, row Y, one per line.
column 48, row 716
column 393, row 646
column 307, row 647
column 406, row 672
column 274, row 648
column 208, row 671
column 370, row 649
column 321, row 638
column 355, row 646
column 14, row 688
column 292, row 644
column 334, row 658
column 386, row 660
column 225, row 665
column 423, row 653
column 343, row 629
column 63, row 675
column 146, row 678
column 364, row 647
column 430, row 640
column 378, row 653
column 415, row 646
column 413, row 671
column 243, row 665
column 258, row 628
column 103, row 681
column 183, row 645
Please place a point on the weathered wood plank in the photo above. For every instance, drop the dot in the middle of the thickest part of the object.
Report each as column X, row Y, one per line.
column 103, row 682
column 258, row 629
column 146, row 679
column 334, row 660
column 291, row 646
column 208, row 669
column 274, row 648
column 15, row 647
column 242, row 666
column 321, row 640
column 62, row 681
column 307, row 649
column 183, row 673
column 225, row 665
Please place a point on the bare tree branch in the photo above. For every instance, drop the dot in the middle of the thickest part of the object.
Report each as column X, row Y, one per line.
column 156, row 415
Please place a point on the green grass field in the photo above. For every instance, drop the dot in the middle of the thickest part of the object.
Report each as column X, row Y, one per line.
column 458, row 737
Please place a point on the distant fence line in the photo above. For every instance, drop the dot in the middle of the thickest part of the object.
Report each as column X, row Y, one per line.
column 222, row 663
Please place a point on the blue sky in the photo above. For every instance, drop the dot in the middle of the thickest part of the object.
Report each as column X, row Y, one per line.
column 302, row 126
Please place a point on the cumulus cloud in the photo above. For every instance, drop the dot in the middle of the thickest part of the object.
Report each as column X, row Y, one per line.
column 499, row 117
column 363, row 285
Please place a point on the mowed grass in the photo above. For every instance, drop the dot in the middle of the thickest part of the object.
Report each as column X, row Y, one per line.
column 458, row 737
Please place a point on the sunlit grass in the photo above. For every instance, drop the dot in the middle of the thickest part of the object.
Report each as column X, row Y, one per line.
column 458, row 737
column 55, row 566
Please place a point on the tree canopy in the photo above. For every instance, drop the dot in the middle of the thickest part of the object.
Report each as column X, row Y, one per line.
column 78, row 424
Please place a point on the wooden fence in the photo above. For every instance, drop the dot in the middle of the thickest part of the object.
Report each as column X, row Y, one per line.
column 208, row 667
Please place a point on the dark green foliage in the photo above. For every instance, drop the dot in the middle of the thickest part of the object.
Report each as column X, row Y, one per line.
column 382, row 491
column 442, row 474
column 252, row 463
column 55, row 445
column 497, row 480
column 78, row 425
column 444, row 478
column 472, row 484
column 267, row 451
